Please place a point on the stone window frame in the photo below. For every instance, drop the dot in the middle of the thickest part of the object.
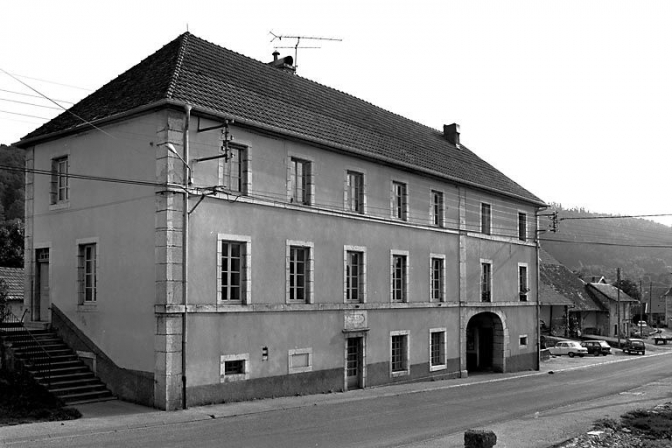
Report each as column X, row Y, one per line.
column 486, row 218
column 432, row 208
column 490, row 280
column 523, row 290
column 80, row 244
column 246, row 168
column 310, row 176
column 444, row 354
column 246, row 284
column 522, row 225
column 310, row 274
column 54, row 184
column 363, row 275
column 223, row 359
column 346, row 191
column 407, row 353
column 443, row 290
column 399, row 212
column 406, row 275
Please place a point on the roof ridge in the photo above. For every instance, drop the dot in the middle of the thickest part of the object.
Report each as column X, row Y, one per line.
column 178, row 66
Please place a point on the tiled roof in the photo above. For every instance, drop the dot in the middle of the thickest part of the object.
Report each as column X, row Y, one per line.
column 609, row 292
column 215, row 80
column 14, row 279
column 560, row 286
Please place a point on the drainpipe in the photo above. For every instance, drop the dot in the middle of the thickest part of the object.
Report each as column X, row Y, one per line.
column 538, row 307
column 185, row 250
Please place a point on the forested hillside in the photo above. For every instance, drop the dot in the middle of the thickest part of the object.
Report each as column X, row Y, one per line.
column 592, row 245
column 11, row 206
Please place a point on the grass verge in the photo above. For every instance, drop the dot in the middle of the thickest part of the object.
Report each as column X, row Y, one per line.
column 23, row 401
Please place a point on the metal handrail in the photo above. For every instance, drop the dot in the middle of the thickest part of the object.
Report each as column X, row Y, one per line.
column 38, row 355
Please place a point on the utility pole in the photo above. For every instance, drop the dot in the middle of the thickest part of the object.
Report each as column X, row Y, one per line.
column 618, row 305
column 650, row 315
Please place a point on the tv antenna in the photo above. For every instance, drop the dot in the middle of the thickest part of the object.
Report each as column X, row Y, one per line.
column 298, row 41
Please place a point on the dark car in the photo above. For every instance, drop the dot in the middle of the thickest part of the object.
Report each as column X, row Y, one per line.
column 597, row 348
column 634, row 346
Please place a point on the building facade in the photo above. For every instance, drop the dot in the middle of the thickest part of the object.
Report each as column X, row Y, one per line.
column 330, row 245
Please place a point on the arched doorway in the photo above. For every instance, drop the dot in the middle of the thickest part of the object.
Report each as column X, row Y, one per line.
column 485, row 343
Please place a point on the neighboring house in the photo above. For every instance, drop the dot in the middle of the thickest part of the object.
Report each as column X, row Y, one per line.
column 566, row 306
column 617, row 303
column 14, row 279
column 331, row 246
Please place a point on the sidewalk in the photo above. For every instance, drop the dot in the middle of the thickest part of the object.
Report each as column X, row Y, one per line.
column 119, row 415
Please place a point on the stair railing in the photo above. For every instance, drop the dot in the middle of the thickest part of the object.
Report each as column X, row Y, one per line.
column 36, row 355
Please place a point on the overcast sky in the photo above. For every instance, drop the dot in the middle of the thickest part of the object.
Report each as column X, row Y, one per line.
column 571, row 99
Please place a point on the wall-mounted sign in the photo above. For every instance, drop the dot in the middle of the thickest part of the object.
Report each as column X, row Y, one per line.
column 355, row 320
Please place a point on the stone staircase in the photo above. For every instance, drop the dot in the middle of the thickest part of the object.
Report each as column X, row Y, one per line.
column 54, row 365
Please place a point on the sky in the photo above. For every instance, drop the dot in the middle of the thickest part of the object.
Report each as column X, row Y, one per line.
column 571, row 99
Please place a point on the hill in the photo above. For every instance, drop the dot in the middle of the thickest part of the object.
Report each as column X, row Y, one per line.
column 12, row 161
column 597, row 244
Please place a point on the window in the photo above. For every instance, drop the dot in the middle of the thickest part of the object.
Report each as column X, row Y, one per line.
column 354, row 192
column 437, row 278
column 234, row 172
column 399, row 276
column 399, row 201
column 522, row 341
column 399, row 353
column 522, row 226
column 299, row 181
column 354, row 275
column 486, row 219
column 523, row 287
column 233, row 268
column 299, row 272
column 234, row 367
column 437, row 349
column 436, row 210
column 486, row 281
column 60, row 184
column 87, row 273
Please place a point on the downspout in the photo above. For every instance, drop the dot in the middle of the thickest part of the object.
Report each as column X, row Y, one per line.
column 538, row 306
column 185, row 250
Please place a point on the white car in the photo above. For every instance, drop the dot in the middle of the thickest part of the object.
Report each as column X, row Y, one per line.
column 570, row 348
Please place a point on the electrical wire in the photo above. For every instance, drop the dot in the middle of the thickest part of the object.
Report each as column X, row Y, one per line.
column 29, row 104
column 47, row 81
column 31, row 96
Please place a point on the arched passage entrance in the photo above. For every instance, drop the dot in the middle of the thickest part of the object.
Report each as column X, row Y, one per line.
column 485, row 343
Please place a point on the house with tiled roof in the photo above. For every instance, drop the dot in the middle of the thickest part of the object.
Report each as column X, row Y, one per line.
column 618, row 305
column 14, row 281
column 216, row 228
column 567, row 309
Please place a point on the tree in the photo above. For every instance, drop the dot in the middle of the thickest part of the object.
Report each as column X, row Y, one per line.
column 629, row 287
column 11, row 244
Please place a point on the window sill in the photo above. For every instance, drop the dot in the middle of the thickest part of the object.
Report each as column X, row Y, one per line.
column 233, row 378
column 400, row 373
column 59, row 206
column 87, row 307
column 438, row 367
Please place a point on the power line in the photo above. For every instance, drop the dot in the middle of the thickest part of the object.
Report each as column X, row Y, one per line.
column 602, row 243
column 614, row 217
column 84, row 176
column 24, row 115
column 29, row 104
column 46, row 97
column 47, row 81
column 32, row 96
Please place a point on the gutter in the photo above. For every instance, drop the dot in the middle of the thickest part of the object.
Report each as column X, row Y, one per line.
column 274, row 130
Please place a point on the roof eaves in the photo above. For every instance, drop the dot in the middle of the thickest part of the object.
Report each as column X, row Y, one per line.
column 349, row 149
column 23, row 144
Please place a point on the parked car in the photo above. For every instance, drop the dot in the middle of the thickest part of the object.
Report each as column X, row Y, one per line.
column 597, row 347
column 570, row 348
column 634, row 346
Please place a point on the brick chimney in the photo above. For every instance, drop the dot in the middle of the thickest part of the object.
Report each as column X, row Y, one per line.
column 452, row 133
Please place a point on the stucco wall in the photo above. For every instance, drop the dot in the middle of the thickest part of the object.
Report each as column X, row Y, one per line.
column 119, row 219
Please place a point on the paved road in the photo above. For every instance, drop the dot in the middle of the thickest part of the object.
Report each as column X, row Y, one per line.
column 429, row 418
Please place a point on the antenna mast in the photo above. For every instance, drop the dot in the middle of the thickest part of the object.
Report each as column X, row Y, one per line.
column 298, row 41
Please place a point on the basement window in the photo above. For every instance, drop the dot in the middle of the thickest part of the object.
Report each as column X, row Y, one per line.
column 234, row 368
